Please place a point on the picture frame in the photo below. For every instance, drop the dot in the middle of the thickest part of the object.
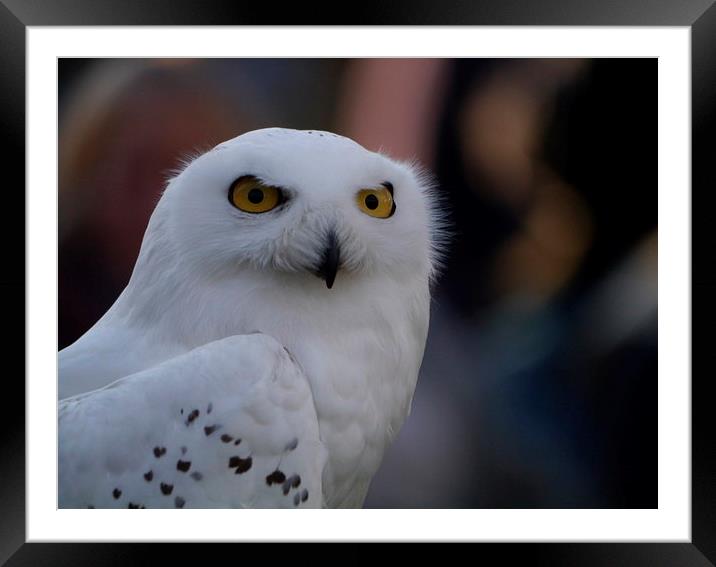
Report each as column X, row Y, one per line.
column 700, row 16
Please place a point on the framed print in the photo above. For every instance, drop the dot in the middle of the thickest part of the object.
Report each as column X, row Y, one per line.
column 558, row 401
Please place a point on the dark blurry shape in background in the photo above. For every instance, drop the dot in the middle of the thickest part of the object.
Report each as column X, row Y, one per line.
column 539, row 383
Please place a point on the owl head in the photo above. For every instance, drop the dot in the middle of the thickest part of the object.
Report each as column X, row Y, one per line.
column 311, row 207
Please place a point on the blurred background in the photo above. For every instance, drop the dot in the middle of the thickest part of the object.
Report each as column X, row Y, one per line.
column 539, row 383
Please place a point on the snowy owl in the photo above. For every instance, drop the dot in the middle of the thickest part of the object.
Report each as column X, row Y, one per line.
column 266, row 349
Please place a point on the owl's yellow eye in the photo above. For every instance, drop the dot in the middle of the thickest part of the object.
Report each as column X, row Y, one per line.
column 248, row 194
column 377, row 202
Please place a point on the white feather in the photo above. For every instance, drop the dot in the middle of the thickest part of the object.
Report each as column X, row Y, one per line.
column 229, row 424
column 207, row 271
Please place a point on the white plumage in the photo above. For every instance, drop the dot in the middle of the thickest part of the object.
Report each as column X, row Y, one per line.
column 227, row 374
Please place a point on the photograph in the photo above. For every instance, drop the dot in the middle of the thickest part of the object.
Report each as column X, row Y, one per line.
column 427, row 273
column 387, row 283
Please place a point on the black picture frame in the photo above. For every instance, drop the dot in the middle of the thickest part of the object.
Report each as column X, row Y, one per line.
column 699, row 15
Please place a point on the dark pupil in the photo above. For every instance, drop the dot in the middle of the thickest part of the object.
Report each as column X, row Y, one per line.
column 371, row 201
column 256, row 196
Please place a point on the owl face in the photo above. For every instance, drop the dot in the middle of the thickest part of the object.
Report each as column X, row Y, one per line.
column 305, row 203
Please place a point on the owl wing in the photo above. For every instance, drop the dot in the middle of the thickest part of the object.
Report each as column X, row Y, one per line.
column 230, row 424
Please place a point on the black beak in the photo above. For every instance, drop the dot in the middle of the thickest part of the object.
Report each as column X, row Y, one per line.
column 330, row 262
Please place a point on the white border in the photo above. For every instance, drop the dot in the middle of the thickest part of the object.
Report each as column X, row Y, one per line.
column 670, row 522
